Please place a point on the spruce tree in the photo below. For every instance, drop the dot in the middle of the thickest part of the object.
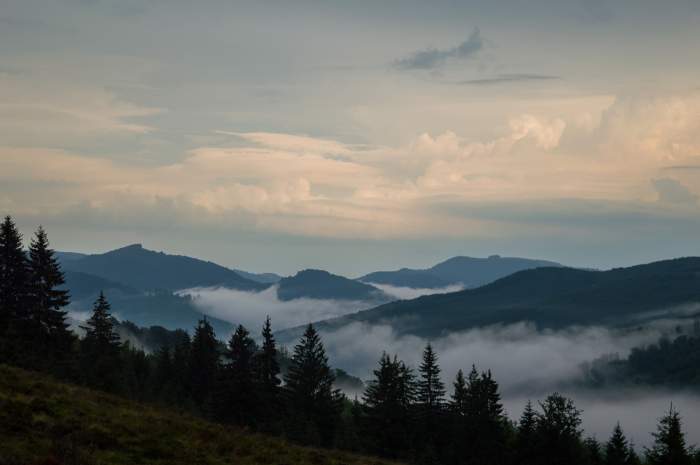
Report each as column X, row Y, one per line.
column 267, row 372
column 237, row 394
column 203, row 365
column 16, row 332
column 458, row 401
column 99, row 349
column 314, row 405
column 633, row 458
column 53, row 339
column 669, row 442
column 430, row 390
column 525, row 448
column 387, row 400
column 617, row 449
column 594, row 455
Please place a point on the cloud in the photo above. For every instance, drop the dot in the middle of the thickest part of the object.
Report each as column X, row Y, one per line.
column 509, row 78
column 321, row 187
column 406, row 293
column 673, row 192
column 251, row 308
column 435, row 58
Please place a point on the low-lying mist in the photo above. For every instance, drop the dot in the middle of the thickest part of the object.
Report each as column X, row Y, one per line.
column 251, row 308
column 529, row 364
column 406, row 293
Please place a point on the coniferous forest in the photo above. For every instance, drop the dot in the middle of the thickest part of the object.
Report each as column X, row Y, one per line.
column 406, row 413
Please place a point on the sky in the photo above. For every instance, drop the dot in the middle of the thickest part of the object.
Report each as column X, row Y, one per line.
column 354, row 136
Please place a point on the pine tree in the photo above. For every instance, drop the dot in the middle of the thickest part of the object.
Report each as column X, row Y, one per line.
column 53, row 339
column 162, row 378
column 314, row 404
column 180, row 384
column 459, row 398
column 237, row 394
column 617, row 449
column 594, row 454
column 203, row 365
column 267, row 372
column 430, row 388
column 15, row 324
column 525, row 448
column 484, row 422
column 632, row 457
column 387, row 400
column 669, row 442
column 99, row 349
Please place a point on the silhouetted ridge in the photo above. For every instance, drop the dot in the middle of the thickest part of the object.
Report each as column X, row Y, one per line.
column 319, row 284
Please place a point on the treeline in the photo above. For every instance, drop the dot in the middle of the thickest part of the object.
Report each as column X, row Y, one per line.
column 404, row 414
column 673, row 363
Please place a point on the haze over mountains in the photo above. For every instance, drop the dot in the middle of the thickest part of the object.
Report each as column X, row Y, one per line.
column 466, row 271
column 151, row 288
column 155, row 288
column 553, row 297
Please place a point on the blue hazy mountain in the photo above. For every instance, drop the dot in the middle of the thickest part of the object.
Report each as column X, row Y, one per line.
column 145, row 269
column 469, row 272
column 319, row 284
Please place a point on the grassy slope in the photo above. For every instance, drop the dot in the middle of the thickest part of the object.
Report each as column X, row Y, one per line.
column 41, row 418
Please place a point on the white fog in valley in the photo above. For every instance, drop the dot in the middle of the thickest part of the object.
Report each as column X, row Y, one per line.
column 251, row 308
column 406, row 293
column 527, row 363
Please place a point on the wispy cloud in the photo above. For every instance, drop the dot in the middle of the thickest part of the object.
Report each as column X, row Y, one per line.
column 433, row 58
column 509, row 78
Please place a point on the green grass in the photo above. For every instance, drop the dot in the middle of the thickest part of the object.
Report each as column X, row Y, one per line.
column 46, row 422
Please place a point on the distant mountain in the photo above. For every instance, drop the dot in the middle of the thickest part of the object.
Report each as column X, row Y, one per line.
column 65, row 256
column 85, row 285
column 319, row 284
column 551, row 297
column 405, row 277
column 145, row 269
column 263, row 278
column 466, row 271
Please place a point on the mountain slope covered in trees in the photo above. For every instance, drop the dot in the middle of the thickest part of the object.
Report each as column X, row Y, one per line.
column 466, row 271
column 548, row 297
column 146, row 269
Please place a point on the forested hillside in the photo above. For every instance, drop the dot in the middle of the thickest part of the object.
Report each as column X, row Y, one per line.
column 548, row 297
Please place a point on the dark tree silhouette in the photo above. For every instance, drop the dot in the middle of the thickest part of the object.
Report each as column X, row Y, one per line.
column 203, row 365
column 15, row 323
column 53, row 338
column 430, row 390
column 387, row 402
column 669, row 442
column 267, row 370
column 617, row 449
column 99, row 349
column 237, row 394
column 559, row 431
column 314, row 405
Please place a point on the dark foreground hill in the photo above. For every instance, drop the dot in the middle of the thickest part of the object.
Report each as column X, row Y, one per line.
column 469, row 272
column 46, row 422
column 550, row 298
